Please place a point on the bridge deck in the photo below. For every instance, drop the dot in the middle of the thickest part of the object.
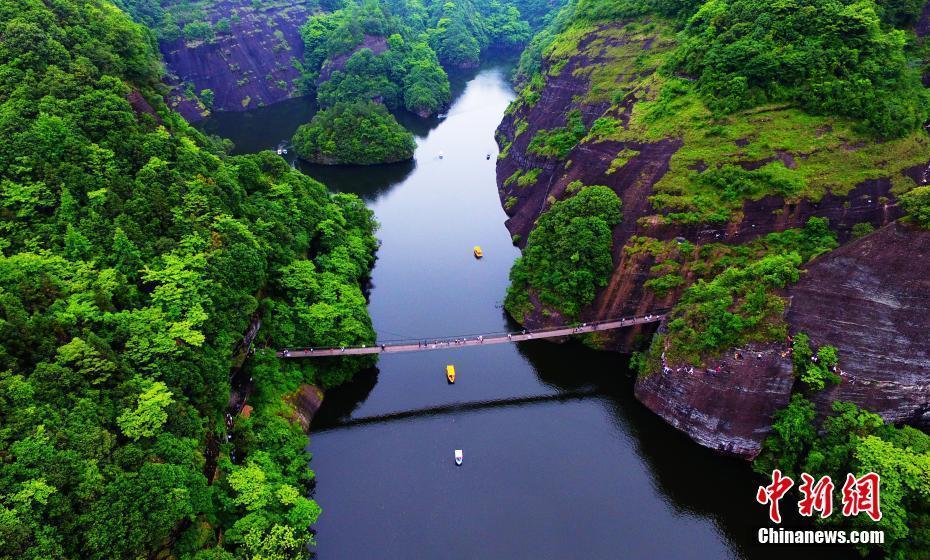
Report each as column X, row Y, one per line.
column 459, row 342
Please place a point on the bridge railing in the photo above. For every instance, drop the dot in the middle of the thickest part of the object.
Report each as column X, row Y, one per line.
column 426, row 342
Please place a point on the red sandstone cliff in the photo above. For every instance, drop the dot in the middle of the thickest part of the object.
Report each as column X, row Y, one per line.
column 589, row 163
column 248, row 67
column 845, row 299
column 871, row 299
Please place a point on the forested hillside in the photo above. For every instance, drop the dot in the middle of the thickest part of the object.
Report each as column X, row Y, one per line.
column 135, row 256
column 746, row 140
column 396, row 52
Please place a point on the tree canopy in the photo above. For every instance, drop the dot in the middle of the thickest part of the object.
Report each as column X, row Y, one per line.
column 135, row 254
column 568, row 255
column 832, row 57
column 852, row 440
column 357, row 133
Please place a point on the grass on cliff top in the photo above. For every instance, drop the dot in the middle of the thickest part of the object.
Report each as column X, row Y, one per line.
column 733, row 295
column 819, row 155
column 802, row 156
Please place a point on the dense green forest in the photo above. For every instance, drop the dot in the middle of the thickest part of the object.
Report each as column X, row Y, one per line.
column 134, row 256
column 396, row 52
column 362, row 133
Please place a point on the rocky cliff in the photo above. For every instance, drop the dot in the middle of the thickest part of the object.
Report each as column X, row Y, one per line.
column 575, row 81
column 607, row 74
column 871, row 300
column 250, row 66
column 868, row 299
column 727, row 405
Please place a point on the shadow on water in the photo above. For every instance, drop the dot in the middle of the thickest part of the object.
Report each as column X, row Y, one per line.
column 342, row 400
column 696, row 480
column 260, row 129
column 450, row 409
column 367, row 181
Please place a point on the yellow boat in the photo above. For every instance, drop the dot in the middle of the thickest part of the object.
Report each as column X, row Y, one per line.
column 450, row 373
column 478, row 252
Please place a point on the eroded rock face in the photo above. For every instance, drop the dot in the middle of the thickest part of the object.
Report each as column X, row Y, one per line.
column 870, row 299
column 728, row 409
column 590, row 162
column 858, row 298
column 306, row 401
column 247, row 68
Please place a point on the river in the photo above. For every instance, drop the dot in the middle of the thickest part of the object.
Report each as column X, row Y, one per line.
column 560, row 461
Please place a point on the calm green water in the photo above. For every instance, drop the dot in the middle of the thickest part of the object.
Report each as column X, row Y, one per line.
column 560, row 460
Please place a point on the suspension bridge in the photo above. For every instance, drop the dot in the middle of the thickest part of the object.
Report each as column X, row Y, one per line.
column 424, row 345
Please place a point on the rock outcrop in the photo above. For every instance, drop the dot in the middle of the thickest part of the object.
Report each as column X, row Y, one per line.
column 591, row 163
column 306, row 401
column 250, row 66
column 871, row 300
column 727, row 405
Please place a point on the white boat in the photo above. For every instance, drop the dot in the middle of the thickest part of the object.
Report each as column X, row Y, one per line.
column 458, row 457
column 280, row 151
column 440, row 154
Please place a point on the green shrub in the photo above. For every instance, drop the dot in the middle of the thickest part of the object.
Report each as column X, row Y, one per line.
column 662, row 285
column 814, row 370
column 917, row 204
column 559, row 142
column 568, row 255
column 862, row 229
column 529, row 178
column 354, row 133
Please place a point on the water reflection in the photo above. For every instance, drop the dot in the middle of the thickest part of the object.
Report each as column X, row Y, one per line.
column 694, row 480
column 266, row 128
column 340, row 402
column 260, row 129
column 369, row 182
